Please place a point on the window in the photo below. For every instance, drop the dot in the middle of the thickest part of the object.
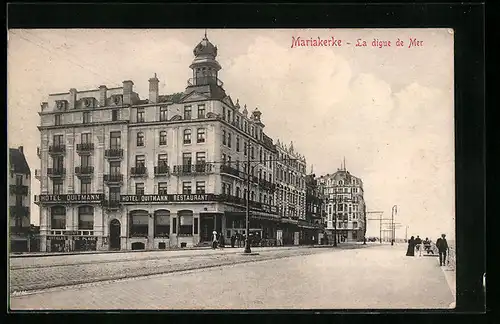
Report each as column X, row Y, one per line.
column 114, row 115
column 224, row 113
column 200, row 137
column 195, row 226
column 114, row 167
column 140, row 161
column 252, row 131
column 139, row 221
column 139, row 188
column 354, row 224
column 238, row 192
column 115, row 140
column 253, row 153
column 57, row 187
column 85, row 138
column 162, row 223
column 200, row 157
column 163, row 137
column 58, row 163
column 58, row 217
column 58, row 140
column 238, row 121
column 186, row 188
column 162, row 188
column 57, row 119
column 19, row 179
column 187, row 136
column 187, row 112
column 86, row 218
column 260, row 155
column 140, row 115
column 200, row 187
column 163, row 114
column 245, row 148
column 186, row 159
column 229, row 140
column 201, row 111
column 85, row 186
column 224, row 158
column 246, row 127
column 237, row 143
column 140, row 139
column 86, row 117
column 162, row 160
column 224, row 137
column 185, row 222
column 114, row 193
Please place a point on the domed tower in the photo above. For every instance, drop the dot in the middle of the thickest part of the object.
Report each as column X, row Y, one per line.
column 205, row 67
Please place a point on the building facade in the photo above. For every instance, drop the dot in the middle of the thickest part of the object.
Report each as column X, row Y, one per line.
column 345, row 206
column 121, row 172
column 314, row 208
column 19, row 200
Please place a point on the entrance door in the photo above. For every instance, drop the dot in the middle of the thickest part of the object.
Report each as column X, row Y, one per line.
column 206, row 228
column 114, row 235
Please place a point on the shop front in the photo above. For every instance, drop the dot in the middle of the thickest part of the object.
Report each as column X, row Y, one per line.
column 57, row 243
column 85, row 243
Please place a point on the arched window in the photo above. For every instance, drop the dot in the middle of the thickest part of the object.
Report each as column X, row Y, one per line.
column 58, row 217
column 162, row 223
column 139, row 220
column 185, row 222
column 86, row 218
column 140, row 139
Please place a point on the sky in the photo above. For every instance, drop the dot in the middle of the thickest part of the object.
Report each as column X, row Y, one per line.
column 388, row 111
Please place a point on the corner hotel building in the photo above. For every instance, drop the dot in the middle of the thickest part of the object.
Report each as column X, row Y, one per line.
column 120, row 172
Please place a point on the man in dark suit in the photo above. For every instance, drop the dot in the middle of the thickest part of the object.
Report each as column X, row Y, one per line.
column 443, row 248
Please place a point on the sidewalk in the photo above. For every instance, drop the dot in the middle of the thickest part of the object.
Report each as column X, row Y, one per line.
column 49, row 254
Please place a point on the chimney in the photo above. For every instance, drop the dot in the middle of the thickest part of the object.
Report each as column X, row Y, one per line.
column 20, row 148
column 128, row 87
column 153, row 89
column 72, row 98
column 102, row 95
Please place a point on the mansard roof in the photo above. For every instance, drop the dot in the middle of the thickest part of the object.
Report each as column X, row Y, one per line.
column 18, row 163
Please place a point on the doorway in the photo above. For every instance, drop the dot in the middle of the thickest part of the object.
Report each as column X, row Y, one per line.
column 206, row 228
column 114, row 235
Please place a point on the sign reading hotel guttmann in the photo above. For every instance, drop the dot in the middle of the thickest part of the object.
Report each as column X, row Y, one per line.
column 70, row 198
column 167, row 198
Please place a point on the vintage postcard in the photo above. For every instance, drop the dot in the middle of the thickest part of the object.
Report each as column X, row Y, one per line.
column 231, row 169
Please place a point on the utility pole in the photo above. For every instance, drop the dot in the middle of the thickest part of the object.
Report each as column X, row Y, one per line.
column 406, row 234
column 247, row 241
column 394, row 210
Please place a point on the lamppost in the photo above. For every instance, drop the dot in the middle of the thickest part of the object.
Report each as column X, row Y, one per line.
column 247, row 212
column 394, row 210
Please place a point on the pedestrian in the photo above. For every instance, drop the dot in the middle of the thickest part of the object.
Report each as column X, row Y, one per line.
column 221, row 241
column 233, row 239
column 214, row 240
column 411, row 247
column 418, row 245
column 443, row 248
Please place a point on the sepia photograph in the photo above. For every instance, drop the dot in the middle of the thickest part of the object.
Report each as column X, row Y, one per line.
column 231, row 169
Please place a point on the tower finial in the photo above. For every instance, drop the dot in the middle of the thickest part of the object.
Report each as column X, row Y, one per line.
column 205, row 33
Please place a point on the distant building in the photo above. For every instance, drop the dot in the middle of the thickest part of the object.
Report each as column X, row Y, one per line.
column 344, row 203
column 19, row 200
column 314, row 208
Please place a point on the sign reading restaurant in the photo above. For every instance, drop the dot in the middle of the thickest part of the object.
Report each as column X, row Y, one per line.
column 167, row 198
column 70, row 198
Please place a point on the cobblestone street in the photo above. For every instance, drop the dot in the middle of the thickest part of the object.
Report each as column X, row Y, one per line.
column 301, row 278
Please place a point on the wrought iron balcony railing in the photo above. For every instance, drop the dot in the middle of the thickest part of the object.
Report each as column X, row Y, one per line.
column 111, row 204
column 267, row 185
column 113, row 178
column 114, row 153
column 18, row 211
column 252, row 204
column 18, row 190
column 200, row 168
column 138, row 171
column 162, row 170
column 84, row 171
column 56, row 172
column 84, row 147
column 57, row 149
column 232, row 171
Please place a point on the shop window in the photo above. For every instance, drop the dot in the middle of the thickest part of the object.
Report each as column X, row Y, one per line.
column 86, row 218
column 185, row 222
column 162, row 223
column 139, row 223
column 58, row 217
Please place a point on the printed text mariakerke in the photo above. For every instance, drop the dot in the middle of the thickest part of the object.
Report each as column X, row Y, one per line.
column 316, row 42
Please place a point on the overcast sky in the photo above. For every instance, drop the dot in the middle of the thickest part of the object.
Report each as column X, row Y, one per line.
column 388, row 111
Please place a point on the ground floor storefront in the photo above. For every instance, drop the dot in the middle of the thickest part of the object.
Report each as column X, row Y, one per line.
column 343, row 235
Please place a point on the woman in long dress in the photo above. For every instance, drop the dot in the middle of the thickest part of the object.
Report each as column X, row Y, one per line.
column 411, row 247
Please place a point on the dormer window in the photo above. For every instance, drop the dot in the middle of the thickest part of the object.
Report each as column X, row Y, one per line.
column 117, row 99
column 61, row 104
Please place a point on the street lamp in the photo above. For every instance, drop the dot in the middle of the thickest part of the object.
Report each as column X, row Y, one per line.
column 247, row 212
column 394, row 210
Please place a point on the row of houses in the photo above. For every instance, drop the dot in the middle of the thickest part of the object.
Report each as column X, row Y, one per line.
column 121, row 172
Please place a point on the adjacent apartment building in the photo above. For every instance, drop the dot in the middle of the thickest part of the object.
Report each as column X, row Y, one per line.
column 121, row 172
column 19, row 200
column 345, row 206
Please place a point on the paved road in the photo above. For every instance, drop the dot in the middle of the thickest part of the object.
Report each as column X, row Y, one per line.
column 376, row 277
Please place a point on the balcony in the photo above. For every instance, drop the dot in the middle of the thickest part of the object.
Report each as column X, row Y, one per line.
column 163, row 170
column 111, row 204
column 114, row 154
column 187, row 169
column 86, row 171
column 38, row 174
column 56, row 172
column 204, row 80
column 84, row 148
column 57, row 149
column 226, row 169
column 138, row 171
column 252, row 204
column 111, row 179
column 264, row 184
column 18, row 190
